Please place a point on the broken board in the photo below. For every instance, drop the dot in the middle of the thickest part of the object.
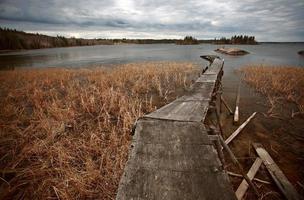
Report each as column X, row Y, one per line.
column 278, row 176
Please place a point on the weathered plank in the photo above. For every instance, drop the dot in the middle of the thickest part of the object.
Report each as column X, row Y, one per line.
column 278, row 176
column 182, row 110
column 255, row 179
column 216, row 67
column 173, row 160
column 194, row 105
column 237, row 131
column 251, row 173
column 200, row 91
column 207, row 78
column 163, row 184
column 152, row 131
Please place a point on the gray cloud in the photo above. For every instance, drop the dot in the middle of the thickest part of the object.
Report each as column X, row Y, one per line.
column 272, row 20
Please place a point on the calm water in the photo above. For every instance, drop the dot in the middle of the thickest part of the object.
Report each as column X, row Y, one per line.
column 283, row 54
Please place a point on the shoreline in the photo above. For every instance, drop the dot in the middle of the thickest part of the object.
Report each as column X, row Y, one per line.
column 274, row 127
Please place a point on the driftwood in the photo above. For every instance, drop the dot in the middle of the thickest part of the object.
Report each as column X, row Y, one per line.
column 279, row 178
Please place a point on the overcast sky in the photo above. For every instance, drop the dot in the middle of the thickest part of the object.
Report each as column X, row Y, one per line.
column 268, row 20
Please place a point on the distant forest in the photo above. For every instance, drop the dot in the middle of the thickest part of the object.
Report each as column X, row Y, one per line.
column 11, row 39
column 188, row 40
column 237, row 39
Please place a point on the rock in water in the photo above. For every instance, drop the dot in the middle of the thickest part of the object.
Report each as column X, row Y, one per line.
column 232, row 51
column 301, row 52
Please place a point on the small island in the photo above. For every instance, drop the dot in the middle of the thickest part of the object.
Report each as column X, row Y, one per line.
column 188, row 40
column 232, row 51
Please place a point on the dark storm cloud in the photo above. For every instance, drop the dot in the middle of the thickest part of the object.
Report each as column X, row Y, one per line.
column 275, row 20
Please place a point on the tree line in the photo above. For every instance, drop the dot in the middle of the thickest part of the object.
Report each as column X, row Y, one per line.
column 188, row 40
column 237, row 39
column 12, row 39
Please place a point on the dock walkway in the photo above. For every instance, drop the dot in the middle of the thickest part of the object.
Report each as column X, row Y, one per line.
column 171, row 156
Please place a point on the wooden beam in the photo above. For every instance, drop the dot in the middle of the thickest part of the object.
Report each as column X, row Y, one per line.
column 251, row 173
column 226, row 105
column 237, row 102
column 218, row 146
column 238, row 164
column 255, row 179
column 278, row 176
column 235, row 133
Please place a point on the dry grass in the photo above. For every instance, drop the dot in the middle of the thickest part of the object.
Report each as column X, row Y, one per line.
column 65, row 133
column 277, row 82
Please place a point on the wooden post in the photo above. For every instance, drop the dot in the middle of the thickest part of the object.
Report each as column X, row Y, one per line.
column 220, row 99
column 235, row 133
column 219, row 122
column 279, row 178
column 251, row 173
column 237, row 102
column 218, row 145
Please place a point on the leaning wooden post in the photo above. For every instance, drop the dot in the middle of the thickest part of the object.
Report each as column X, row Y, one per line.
column 220, row 102
column 220, row 93
column 226, row 105
column 218, row 119
column 235, row 133
column 236, row 162
column 237, row 102
column 240, row 192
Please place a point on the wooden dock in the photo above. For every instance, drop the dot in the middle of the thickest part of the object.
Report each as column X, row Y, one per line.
column 171, row 155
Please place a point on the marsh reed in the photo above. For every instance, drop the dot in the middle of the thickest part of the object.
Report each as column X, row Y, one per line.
column 285, row 82
column 65, row 133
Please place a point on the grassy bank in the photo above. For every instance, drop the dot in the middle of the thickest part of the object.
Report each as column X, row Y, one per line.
column 277, row 82
column 65, row 133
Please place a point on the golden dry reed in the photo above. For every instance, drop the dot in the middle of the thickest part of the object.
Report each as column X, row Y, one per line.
column 65, row 133
column 277, row 81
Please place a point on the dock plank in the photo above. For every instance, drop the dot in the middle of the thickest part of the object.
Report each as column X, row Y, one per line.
column 215, row 68
column 200, row 91
column 182, row 110
column 152, row 131
column 171, row 156
column 175, row 185
column 180, row 167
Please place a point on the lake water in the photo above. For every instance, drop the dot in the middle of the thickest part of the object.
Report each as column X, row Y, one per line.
column 282, row 54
